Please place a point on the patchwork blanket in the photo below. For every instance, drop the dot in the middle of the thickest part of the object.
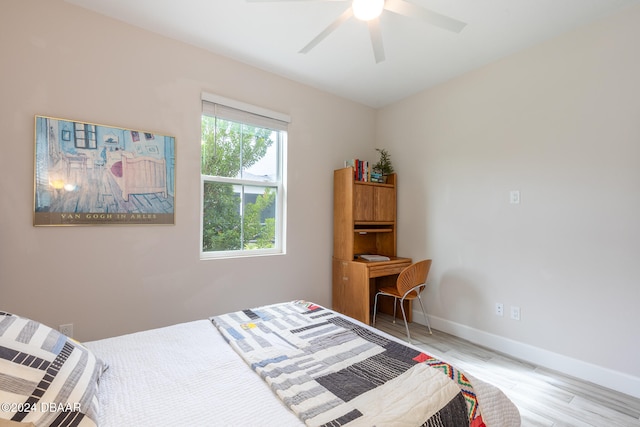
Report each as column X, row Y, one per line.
column 331, row 371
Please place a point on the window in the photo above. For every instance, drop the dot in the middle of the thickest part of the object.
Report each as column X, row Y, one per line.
column 85, row 135
column 242, row 176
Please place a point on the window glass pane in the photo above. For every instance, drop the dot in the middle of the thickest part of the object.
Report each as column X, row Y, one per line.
column 79, row 136
column 259, row 154
column 223, row 228
column 221, row 220
column 220, row 147
column 235, row 150
column 91, row 136
column 259, row 231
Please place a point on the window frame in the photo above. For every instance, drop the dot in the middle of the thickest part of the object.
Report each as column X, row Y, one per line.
column 85, row 136
column 280, row 182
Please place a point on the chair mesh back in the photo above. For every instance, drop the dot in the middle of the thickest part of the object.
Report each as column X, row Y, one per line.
column 412, row 276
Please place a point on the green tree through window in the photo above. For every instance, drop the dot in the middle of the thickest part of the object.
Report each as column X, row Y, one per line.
column 241, row 185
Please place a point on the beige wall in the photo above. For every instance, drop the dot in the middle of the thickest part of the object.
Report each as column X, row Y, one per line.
column 62, row 61
column 559, row 123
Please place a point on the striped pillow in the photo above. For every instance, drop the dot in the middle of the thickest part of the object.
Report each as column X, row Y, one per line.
column 46, row 378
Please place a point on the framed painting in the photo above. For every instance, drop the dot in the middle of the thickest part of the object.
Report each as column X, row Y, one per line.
column 89, row 174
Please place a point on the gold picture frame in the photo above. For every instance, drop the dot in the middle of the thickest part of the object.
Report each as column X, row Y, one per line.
column 90, row 174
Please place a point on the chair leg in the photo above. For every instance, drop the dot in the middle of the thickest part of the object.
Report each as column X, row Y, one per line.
column 395, row 304
column 406, row 325
column 375, row 308
column 425, row 314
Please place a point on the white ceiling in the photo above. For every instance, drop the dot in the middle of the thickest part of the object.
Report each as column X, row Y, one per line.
column 269, row 35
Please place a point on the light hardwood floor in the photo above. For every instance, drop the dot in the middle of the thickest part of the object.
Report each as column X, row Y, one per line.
column 544, row 397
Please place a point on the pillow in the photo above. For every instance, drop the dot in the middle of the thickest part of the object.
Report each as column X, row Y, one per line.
column 116, row 169
column 45, row 377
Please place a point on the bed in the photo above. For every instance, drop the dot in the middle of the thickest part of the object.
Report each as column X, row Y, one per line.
column 138, row 175
column 286, row 364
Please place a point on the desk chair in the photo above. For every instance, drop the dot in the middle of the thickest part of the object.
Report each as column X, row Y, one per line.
column 410, row 284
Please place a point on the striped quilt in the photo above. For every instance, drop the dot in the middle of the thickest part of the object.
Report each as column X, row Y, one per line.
column 331, row 371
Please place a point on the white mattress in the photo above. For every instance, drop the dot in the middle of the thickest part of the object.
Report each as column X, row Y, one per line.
column 155, row 378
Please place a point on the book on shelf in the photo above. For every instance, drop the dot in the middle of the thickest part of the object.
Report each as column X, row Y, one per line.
column 362, row 170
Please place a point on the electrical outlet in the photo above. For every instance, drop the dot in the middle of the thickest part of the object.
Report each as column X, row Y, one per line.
column 499, row 309
column 66, row 329
column 515, row 313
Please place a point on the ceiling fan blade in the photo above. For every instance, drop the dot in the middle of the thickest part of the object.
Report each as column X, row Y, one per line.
column 405, row 8
column 376, row 39
column 335, row 24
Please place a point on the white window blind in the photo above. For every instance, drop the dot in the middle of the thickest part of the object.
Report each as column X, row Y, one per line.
column 236, row 111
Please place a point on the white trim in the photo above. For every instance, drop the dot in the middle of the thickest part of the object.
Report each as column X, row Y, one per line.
column 605, row 377
column 204, row 256
column 239, row 105
column 239, row 181
column 281, row 214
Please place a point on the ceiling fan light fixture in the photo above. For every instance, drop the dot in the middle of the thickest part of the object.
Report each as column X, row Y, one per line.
column 366, row 10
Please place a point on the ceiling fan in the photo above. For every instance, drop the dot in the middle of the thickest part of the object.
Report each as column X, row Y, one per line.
column 370, row 11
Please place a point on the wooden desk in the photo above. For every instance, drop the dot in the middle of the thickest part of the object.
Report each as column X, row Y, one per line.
column 355, row 284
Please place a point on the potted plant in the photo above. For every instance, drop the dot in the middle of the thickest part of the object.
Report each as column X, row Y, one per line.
column 384, row 166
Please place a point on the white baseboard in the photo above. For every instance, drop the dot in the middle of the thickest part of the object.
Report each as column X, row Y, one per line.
column 586, row 371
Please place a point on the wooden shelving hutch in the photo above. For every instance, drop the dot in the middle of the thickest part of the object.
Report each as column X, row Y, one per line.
column 364, row 222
